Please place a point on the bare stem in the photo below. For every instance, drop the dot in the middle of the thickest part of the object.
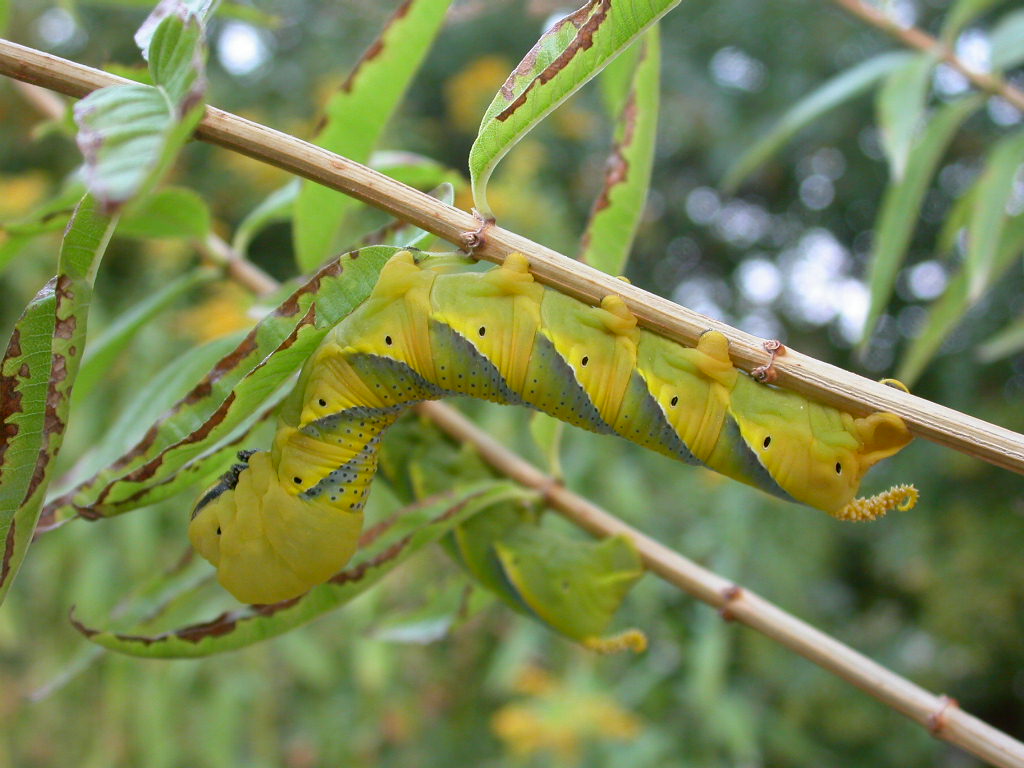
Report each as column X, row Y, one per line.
column 938, row 713
column 796, row 371
column 912, row 37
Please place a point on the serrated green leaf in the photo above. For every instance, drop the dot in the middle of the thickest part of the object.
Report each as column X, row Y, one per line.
column 176, row 60
column 381, row 551
column 355, row 117
column 897, row 216
column 130, row 134
column 36, row 378
column 962, row 14
column 945, row 314
column 840, row 89
column 277, row 206
column 1007, row 342
column 988, row 216
column 567, row 56
column 237, row 387
column 197, row 10
column 901, row 104
column 1007, row 41
column 617, row 212
column 168, row 212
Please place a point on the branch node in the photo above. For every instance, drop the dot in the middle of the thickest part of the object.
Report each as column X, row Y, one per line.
column 765, row 373
column 937, row 719
column 476, row 238
column 731, row 594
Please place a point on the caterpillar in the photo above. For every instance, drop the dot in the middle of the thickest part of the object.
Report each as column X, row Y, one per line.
column 289, row 518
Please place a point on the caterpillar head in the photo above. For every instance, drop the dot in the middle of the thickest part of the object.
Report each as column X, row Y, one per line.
column 819, row 455
column 267, row 542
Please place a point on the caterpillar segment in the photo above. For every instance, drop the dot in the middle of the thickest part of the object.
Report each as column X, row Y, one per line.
column 291, row 518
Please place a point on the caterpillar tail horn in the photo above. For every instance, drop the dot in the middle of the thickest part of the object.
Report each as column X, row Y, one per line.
column 901, row 497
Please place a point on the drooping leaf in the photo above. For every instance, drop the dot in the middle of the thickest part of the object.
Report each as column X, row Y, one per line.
column 1007, row 41
column 840, row 89
column 382, row 548
column 989, row 214
column 168, row 212
column 901, row 104
column 569, row 54
column 36, row 378
column 617, row 212
column 355, row 117
column 946, row 313
column 897, row 216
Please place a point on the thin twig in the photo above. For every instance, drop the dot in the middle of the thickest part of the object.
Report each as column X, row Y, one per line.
column 938, row 713
column 913, row 37
column 796, row 371
column 738, row 603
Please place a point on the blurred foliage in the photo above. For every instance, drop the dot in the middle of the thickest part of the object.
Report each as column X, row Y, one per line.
column 936, row 594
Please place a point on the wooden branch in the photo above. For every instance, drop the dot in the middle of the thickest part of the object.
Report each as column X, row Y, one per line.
column 912, row 37
column 796, row 371
column 940, row 714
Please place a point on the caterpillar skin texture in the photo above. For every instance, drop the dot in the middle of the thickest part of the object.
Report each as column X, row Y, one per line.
column 291, row 517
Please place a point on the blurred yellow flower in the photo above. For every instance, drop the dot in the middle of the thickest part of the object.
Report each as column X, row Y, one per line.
column 559, row 720
column 19, row 194
column 468, row 93
column 224, row 311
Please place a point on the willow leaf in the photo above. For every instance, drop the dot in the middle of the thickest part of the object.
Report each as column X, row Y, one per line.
column 988, row 218
column 901, row 202
column 569, row 54
column 840, row 89
column 946, row 313
column 356, row 115
column 616, row 214
column 900, row 105
column 36, row 378
column 1007, row 41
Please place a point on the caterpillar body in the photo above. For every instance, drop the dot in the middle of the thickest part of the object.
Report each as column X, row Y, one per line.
column 290, row 518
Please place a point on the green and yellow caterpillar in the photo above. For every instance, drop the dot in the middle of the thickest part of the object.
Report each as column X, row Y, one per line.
column 290, row 518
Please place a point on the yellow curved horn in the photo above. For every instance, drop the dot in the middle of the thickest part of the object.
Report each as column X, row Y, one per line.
column 901, row 497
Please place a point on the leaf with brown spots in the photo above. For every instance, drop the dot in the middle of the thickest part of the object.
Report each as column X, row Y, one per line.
column 616, row 214
column 569, row 54
column 229, row 395
column 382, row 549
column 36, row 377
column 355, row 116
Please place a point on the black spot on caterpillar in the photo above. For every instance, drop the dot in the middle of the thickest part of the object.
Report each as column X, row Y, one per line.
column 291, row 517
